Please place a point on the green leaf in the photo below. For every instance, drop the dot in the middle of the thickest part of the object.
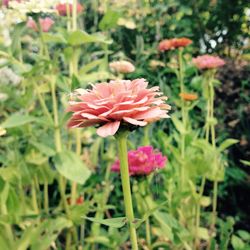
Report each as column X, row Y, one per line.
column 54, row 38
column 80, row 37
column 43, row 148
column 17, row 120
column 88, row 67
column 237, row 242
column 203, row 233
column 114, row 222
column 109, row 20
column 227, row 143
column 244, row 235
column 71, row 166
column 178, row 124
column 247, row 163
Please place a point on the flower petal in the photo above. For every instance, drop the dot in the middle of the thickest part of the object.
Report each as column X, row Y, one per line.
column 134, row 122
column 108, row 129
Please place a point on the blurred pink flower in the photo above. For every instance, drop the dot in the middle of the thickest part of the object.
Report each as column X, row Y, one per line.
column 122, row 67
column 62, row 8
column 45, row 23
column 142, row 161
column 6, row 2
column 169, row 44
column 115, row 103
column 208, row 62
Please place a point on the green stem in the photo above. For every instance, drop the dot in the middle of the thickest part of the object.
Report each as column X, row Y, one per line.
column 123, row 156
column 148, row 235
column 181, row 80
column 46, row 197
column 34, row 197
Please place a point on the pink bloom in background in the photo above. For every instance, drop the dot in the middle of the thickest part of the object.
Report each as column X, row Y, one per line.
column 169, row 44
column 62, row 8
column 117, row 102
column 142, row 161
column 122, row 67
column 45, row 23
column 208, row 62
column 6, row 2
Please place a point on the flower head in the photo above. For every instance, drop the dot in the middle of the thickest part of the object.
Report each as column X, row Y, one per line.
column 142, row 161
column 169, row 44
column 119, row 102
column 45, row 23
column 122, row 67
column 208, row 62
column 62, row 8
column 188, row 96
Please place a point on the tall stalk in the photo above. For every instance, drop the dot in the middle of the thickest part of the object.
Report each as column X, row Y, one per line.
column 183, row 115
column 121, row 138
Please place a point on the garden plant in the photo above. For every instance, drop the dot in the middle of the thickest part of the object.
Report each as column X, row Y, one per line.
column 124, row 125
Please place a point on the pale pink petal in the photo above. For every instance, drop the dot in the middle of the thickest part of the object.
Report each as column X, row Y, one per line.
column 134, row 122
column 108, row 129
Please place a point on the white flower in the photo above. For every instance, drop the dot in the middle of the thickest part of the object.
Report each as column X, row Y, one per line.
column 8, row 76
column 3, row 97
column 2, row 131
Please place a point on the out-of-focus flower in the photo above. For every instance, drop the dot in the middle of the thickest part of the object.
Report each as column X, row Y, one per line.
column 122, row 67
column 62, row 8
column 128, row 23
column 169, row 44
column 45, row 23
column 142, row 161
column 33, row 6
column 2, row 131
column 6, row 2
column 3, row 97
column 116, row 103
column 78, row 201
column 8, row 76
column 155, row 64
column 208, row 62
column 188, row 96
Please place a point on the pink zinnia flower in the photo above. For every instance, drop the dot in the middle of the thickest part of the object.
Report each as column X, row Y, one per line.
column 117, row 103
column 142, row 161
column 45, row 23
column 208, row 62
column 122, row 67
column 169, row 44
column 62, row 8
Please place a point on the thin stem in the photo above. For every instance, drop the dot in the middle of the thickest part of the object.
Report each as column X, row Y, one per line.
column 148, row 235
column 34, row 197
column 181, row 81
column 46, row 197
column 123, row 156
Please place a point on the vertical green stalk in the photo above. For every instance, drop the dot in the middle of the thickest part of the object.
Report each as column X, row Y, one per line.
column 123, row 156
column 46, row 197
column 181, row 81
column 215, row 184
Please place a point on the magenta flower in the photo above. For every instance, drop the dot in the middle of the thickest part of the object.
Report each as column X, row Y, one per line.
column 45, row 23
column 208, row 62
column 142, row 161
column 118, row 102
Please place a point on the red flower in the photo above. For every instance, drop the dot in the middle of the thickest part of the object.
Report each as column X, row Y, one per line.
column 62, row 8
column 169, row 44
column 142, row 161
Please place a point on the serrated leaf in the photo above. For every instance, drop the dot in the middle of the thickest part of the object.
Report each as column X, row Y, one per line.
column 17, row 120
column 113, row 222
column 71, row 166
